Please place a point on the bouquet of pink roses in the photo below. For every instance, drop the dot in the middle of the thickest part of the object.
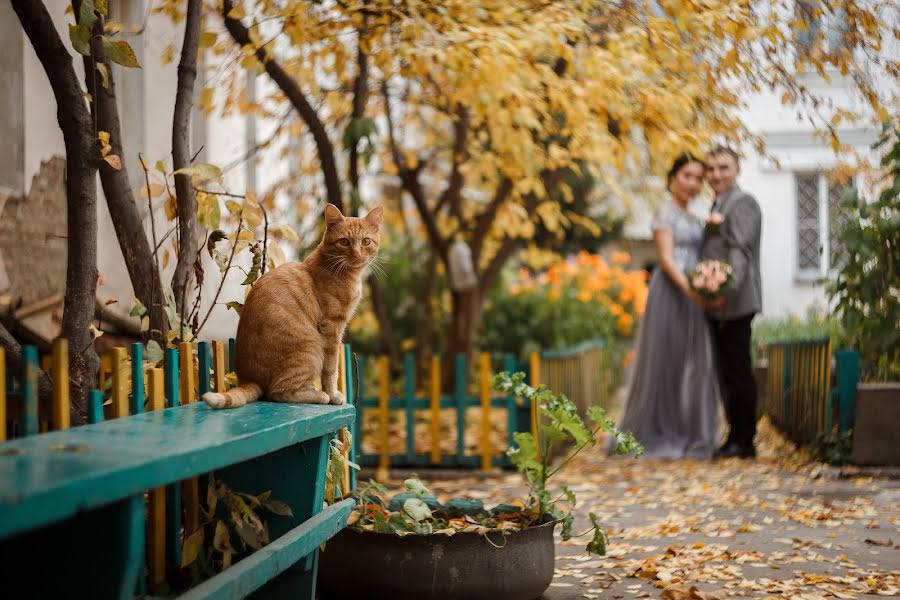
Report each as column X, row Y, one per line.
column 710, row 278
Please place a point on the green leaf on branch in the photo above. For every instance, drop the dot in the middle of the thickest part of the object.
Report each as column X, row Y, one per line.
column 102, row 7
column 86, row 16
column 203, row 172
column 119, row 52
column 80, row 36
column 253, row 274
column 597, row 545
column 414, row 486
column 208, row 211
column 137, row 309
column 153, row 352
column 237, row 306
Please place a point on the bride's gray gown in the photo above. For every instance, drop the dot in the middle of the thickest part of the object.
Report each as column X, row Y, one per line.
column 672, row 407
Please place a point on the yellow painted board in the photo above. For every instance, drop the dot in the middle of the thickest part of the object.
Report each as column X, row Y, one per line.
column 219, row 365
column 384, row 460
column 485, row 411
column 156, row 502
column 2, row 394
column 534, row 362
column 342, row 370
column 59, row 371
column 186, row 370
column 435, row 410
column 119, row 373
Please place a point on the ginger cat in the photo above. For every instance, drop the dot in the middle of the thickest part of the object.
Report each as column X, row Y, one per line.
column 294, row 318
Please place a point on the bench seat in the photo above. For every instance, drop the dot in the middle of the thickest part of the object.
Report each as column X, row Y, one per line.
column 83, row 487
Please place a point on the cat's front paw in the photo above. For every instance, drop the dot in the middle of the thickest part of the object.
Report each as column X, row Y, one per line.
column 336, row 398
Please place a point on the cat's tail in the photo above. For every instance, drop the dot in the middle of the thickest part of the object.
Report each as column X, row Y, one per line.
column 235, row 397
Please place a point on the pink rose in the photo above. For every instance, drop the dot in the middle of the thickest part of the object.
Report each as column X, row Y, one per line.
column 711, row 286
column 715, row 218
column 697, row 282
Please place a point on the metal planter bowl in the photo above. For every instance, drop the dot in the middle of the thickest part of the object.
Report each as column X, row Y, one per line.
column 378, row 565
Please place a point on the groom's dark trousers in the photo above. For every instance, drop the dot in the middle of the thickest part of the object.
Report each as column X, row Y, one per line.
column 736, row 381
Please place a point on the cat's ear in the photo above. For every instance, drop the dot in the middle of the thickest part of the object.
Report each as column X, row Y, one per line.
column 375, row 216
column 332, row 215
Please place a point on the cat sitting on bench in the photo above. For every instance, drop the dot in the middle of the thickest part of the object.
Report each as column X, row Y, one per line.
column 293, row 321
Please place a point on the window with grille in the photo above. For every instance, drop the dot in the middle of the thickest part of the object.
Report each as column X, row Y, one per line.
column 819, row 222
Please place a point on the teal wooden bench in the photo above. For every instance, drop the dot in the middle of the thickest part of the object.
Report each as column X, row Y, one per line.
column 72, row 503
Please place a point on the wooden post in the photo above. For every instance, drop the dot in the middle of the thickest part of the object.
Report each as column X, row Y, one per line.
column 156, row 505
column 137, row 379
column 534, row 362
column 459, row 392
column 95, row 407
column 29, row 390
column 2, row 394
column 509, row 365
column 119, row 397
column 409, row 393
column 348, row 384
column 435, row 410
column 219, row 366
column 485, row 411
column 203, row 368
column 342, row 388
column 173, row 496
column 190, row 487
column 59, row 371
column 384, row 459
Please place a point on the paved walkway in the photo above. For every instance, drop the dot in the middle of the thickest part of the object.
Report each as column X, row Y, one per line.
column 771, row 528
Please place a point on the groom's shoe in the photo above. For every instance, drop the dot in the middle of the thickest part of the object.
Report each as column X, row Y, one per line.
column 733, row 449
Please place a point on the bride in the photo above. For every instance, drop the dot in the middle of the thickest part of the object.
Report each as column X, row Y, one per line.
column 672, row 407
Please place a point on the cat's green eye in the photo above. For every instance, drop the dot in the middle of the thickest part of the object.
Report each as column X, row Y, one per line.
column 344, row 242
column 367, row 241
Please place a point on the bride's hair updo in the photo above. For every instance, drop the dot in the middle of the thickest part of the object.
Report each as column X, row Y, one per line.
column 680, row 163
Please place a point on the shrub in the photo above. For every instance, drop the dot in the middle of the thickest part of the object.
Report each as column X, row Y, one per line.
column 866, row 292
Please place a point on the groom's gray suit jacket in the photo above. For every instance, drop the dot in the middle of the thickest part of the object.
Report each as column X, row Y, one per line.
column 736, row 241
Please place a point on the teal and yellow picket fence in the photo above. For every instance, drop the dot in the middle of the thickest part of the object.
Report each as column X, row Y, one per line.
column 412, row 423
column 132, row 387
column 810, row 390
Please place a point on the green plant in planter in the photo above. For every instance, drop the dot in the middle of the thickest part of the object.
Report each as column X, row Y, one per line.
column 866, row 291
column 417, row 511
column 560, row 424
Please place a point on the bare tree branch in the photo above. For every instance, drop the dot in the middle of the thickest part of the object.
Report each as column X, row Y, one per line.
column 181, row 156
column 295, row 95
column 452, row 195
column 485, row 220
column 120, row 200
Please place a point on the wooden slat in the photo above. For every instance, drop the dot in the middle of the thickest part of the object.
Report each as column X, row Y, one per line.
column 409, row 395
column 190, row 489
column 95, row 407
column 105, row 369
column 59, row 371
column 2, row 394
column 509, row 365
column 485, row 376
column 29, row 390
column 119, row 396
column 137, row 378
column 156, row 502
column 219, row 366
column 204, row 368
column 384, row 461
column 534, row 362
column 459, row 390
column 173, row 493
column 435, row 394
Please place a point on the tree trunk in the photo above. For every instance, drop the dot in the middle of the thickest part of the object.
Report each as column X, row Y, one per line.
column 425, row 327
column 123, row 210
column 183, row 277
column 464, row 322
column 82, row 158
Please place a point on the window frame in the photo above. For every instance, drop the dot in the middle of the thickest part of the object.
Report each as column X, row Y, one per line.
column 824, row 188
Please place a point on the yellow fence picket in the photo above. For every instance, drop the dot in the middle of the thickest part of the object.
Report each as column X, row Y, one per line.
column 219, row 366
column 119, row 374
column 190, row 490
column 435, row 410
column 156, row 505
column 59, row 371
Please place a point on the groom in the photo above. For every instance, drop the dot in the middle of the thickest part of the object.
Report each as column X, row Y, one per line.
column 735, row 241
